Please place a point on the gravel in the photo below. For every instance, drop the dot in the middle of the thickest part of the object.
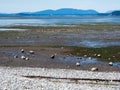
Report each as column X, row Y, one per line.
column 11, row 78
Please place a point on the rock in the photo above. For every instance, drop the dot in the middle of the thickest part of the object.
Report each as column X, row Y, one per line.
column 111, row 63
column 94, row 69
column 22, row 50
column 31, row 52
column 99, row 55
column 22, row 57
column 52, row 56
column 77, row 64
column 15, row 56
column 26, row 58
column 95, row 54
column 90, row 58
column 85, row 55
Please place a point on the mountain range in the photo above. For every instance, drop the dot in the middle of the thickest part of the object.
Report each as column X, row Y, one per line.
column 63, row 12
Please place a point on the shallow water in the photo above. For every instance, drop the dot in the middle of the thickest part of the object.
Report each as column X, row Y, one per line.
column 11, row 29
column 95, row 44
column 52, row 21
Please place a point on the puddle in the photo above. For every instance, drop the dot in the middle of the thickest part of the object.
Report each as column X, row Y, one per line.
column 11, row 29
column 82, row 60
column 95, row 44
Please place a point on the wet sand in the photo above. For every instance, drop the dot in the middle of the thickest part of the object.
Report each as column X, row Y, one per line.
column 42, row 58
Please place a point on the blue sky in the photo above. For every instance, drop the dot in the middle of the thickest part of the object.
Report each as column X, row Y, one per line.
column 13, row 6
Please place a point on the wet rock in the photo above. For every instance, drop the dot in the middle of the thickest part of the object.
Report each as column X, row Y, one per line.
column 85, row 55
column 26, row 58
column 94, row 69
column 15, row 56
column 99, row 55
column 22, row 57
column 52, row 56
column 111, row 63
column 22, row 51
column 77, row 64
column 89, row 58
column 31, row 52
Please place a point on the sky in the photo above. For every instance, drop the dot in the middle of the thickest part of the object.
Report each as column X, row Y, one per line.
column 14, row 6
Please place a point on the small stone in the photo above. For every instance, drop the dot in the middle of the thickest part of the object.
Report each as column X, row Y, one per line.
column 111, row 63
column 94, row 69
column 22, row 57
column 22, row 50
column 77, row 64
column 95, row 54
column 113, row 56
column 52, row 56
column 31, row 52
column 85, row 55
column 62, row 47
column 15, row 56
column 26, row 58
column 99, row 55
column 90, row 58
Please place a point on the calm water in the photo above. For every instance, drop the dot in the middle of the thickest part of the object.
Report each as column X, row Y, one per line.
column 39, row 21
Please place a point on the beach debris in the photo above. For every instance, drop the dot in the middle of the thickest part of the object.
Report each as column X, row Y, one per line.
column 99, row 55
column 78, row 64
column 22, row 50
column 111, row 63
column 22, row 57
column 31, row 52
column 26, row 58
column 16, row 56
column 94, row 69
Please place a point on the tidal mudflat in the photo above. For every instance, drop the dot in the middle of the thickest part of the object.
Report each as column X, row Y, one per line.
column 65, row 56
column 92, row 45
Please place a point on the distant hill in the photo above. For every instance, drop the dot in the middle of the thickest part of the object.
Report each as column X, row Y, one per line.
column 66, row 11
column 62, row 12
column 115, row 13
